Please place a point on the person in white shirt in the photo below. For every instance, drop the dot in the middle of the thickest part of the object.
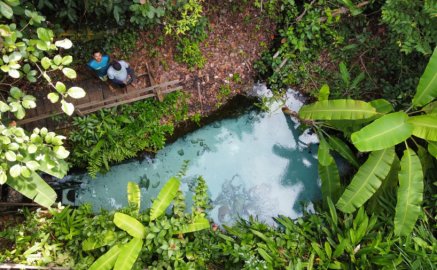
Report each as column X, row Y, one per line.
column 120, row 73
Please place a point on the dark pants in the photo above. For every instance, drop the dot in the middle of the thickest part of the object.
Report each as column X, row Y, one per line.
column 132, row 78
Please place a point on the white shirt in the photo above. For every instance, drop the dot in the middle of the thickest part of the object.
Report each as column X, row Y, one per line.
column 121, row 74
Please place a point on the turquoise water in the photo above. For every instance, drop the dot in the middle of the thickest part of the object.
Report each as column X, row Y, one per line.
column 256, row 164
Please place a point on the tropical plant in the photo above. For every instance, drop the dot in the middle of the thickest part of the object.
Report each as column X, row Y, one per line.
column 26, row 47
column 113, row 135
column 374, row 127
column 123, row 255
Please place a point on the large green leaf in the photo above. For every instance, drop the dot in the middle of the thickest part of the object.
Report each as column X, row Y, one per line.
column 106, row 261
column 339, row 109
column 134, row 195
column 165, row 196
column 382, row 105
column 129, row 254
column 130, row 225
column 343, row 149
column 367, row 180
column 410, row 193
column 431, row 108
column 199, row 223
column 385, row 197
column 427, row 88
column 331, row 186
column 424, row 126
column 323, row 154
column 384, row 132
column 35, row 188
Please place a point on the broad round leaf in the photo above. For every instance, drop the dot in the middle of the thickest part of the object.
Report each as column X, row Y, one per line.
column 15, row 170
column 61, row 152
column 384, row 132
column 20, row 113
column 76, row 92
column 46, row 62
column 424, row 126
column 14, row 73
column 32, row 165
column 15, row 92
column 60, row 87
column 67, row 107
column 28, row 104
column 44, row 34
column 25, row 172
column 65, row 43
column 70, row 73
column 6, row 10
column 32, row 148
column 53, row 97
column 57, row 60
column 4, row 107
column 66, row 60
column 10, row 156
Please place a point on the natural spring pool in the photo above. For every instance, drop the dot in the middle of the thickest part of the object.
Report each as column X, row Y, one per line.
column 255, row 164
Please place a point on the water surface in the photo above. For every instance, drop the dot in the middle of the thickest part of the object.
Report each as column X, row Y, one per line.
column 255, row 164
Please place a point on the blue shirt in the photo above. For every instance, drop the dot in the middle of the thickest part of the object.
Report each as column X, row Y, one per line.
column 100, row 67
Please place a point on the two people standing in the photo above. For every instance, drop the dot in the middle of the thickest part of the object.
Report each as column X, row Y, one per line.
column 118, row 72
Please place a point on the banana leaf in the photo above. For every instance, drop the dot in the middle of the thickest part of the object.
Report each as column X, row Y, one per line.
column 34, row 188
column 386, row 192
column 382, row 105
column 107, row 260
column 367, row 180
column 165, row 197
column 199, row 223
column 432, row 148
column 343, row 149
column 129, row 254
column 331, row 186
column 134, row 195
column 323, row 154
column 410, row 193
column 129, row 224
column 339, row 109
column 424, row 126
column 384, row 132
column 427, row 88
column 323, row 93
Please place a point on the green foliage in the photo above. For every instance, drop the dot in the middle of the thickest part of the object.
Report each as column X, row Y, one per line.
column 144, row 13
column 117, row 134
column 379, row 133
column 188, row 52
column 28, row 49
column 412, row 24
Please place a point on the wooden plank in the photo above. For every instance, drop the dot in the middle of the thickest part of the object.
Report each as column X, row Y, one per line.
column 44, row 114
column 128, row 101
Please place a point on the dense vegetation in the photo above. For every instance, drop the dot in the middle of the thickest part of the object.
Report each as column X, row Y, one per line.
column 378, row 56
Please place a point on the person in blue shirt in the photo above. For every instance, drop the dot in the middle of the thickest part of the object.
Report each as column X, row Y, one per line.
column 100, row 64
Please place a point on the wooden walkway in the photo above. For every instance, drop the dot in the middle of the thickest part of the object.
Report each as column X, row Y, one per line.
column 99, row 95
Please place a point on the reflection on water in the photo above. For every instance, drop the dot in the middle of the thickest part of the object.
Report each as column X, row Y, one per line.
column 256, row 164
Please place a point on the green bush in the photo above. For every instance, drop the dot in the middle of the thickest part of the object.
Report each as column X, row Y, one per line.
column 113, row 135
